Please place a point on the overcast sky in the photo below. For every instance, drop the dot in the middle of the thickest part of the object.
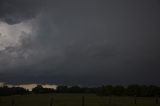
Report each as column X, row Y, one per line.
column 83, row 42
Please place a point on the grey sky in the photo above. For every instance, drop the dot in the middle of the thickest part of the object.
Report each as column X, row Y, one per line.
column 88, row 42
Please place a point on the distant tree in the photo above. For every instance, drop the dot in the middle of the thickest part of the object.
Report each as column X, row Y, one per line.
column 39, row 90
column 100, row 91
column 75, row 89
column 6, row 91
column 62, row 89
column 119, row 90
column 108, row 90
column 133, row 90
column 105, row 90
column 88, row 90
column 153, row 90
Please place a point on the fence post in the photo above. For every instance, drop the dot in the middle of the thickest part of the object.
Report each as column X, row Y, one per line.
column 83, row 101
column 12, row 102
column 51, row 101
column 135, row 99
column 156, row 99
column 110, row 99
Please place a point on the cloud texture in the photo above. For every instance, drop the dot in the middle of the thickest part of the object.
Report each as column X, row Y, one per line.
column 59, row 41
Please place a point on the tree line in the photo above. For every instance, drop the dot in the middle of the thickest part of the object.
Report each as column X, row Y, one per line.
column 109, row 90
column 105, row 90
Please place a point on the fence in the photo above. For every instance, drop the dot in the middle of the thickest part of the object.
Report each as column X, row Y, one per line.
column 77, row 101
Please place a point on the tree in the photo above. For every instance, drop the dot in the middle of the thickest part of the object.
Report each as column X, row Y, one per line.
column 6, row 91
column 75, row 89
column 62, row 89
column 39, row 90
column 119, row 90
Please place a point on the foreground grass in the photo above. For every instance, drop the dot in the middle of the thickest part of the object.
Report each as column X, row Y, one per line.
column 74, row 100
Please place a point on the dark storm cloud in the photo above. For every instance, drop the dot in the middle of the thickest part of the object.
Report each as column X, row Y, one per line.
column 115, row 42
column 15, row 11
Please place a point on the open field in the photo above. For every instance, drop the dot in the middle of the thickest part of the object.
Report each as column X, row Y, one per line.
column 75, row 100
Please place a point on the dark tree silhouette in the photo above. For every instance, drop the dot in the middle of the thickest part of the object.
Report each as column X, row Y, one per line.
column 39, row 90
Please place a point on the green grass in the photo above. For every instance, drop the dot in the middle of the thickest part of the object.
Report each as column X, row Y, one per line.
column 75, row 100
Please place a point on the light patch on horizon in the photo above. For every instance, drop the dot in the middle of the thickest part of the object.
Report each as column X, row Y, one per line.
column 29, row 86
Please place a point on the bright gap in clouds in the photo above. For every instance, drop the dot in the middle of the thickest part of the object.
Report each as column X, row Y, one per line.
column 11, row 35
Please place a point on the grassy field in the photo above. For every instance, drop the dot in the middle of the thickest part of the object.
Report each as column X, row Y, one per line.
column 74, row 100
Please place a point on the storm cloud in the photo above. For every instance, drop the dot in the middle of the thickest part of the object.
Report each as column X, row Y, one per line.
column 88, row 42
column 16, row 11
